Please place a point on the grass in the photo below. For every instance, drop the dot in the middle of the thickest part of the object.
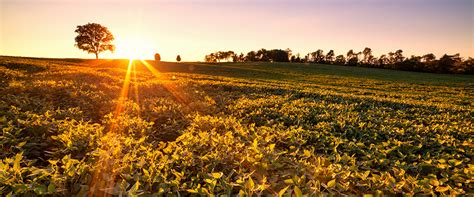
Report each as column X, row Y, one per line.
column 107, row 127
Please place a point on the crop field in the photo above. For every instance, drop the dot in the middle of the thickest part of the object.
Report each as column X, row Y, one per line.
column 114, row 127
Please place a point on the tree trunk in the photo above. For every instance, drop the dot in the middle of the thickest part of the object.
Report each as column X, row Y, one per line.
column 96, row 56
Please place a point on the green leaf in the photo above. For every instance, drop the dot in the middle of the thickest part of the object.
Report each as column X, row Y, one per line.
column 19, row 188
column 298, row 192
column 51, row 188
column 40, row 189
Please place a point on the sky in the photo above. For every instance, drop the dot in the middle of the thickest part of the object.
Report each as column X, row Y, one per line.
column 194, row 28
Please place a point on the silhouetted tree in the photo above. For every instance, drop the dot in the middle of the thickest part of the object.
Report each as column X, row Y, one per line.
column 399, row 56
column 241, row 57
column 278, row 55
column 352, row 58
column 383, row 61
column 410, row 64
column 430, row 63
column 235, row 58
column 94, row 38
column 211, row 57
column 367, row 52
column 392, row 60
column 219, row 55
column 298, row 58
column 467, row 66
column 340, row 60
column 447, row 63
column 178, row 58
column 251, row 56
column 263, row 55
column 229, row 55
column 306, row 59
column 319, row 56
column 428, row 57
column 157, row 57
column 330, row 56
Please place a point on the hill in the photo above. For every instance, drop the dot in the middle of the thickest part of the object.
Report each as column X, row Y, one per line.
column 72, row 126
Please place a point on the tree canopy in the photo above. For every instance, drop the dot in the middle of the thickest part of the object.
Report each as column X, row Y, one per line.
column 157, row 57
column 94, row 38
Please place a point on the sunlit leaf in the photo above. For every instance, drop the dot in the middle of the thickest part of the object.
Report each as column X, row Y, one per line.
column 331, row 183
column 282, row 191
column 298, row 192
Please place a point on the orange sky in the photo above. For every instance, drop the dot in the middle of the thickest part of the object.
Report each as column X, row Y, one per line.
column 45, row 28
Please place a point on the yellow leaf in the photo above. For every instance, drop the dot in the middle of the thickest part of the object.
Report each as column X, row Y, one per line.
column 332, row 183
column 250, row 183
column 53, row 162
column 16, row 163
column 442, row 188
column 217, row 175
column 368, row 195
column 282, row 191
column 434, row 182
column 306, row 153
column 241, row 193
column 289, row 181
column 21, row 144
column 209, row 181
column 298, row 192
column 255, row 143
column 272, row 147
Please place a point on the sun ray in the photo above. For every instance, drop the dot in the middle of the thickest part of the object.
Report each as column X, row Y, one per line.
column 135, row 86
column 173, row 89
column 125, row 89
column 104, row 177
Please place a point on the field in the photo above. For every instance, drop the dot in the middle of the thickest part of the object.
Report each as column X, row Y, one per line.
column 78, row 127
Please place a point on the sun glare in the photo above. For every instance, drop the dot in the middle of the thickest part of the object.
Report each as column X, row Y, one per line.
column 133, row 48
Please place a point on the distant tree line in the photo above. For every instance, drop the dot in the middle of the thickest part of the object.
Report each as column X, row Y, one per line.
column 393, row 60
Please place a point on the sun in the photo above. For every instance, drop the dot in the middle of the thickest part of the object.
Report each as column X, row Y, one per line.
column 133, row 48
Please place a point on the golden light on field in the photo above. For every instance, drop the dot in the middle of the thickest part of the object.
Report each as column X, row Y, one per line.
column 133, row 48
column 125, row 89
